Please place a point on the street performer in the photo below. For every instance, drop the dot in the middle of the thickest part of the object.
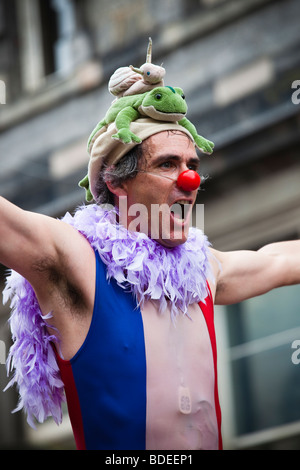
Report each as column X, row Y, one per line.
column 113, row 306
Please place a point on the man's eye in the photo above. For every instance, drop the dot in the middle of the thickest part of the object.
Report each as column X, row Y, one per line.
column 166, row 165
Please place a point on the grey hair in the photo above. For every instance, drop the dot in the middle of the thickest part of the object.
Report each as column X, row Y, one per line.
column 126, row 168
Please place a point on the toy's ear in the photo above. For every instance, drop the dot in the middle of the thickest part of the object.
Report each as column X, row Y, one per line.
column 85, row 184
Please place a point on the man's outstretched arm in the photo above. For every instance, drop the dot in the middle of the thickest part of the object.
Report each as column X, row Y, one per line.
column 246, row 274
column 24, row 237
column 43, row 250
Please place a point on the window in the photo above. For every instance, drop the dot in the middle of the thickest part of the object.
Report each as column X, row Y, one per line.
column 49, row 28
column 51, row 41
column 265, row 381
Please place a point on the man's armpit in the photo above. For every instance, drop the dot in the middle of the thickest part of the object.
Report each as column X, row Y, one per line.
column 57, row 283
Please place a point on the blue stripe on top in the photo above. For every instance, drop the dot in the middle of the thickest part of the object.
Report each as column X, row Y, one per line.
column 110, row 370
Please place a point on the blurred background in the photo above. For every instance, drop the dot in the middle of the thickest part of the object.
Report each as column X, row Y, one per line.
column 238, row 63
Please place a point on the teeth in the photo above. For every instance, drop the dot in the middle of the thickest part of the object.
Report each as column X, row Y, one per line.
column 182, row 201
column 179, row 212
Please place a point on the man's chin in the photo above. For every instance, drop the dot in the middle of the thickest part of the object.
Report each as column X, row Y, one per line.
column 172, row 237
column 172, row 242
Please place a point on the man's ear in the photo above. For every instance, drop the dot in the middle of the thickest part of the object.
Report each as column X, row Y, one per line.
column 116, row 190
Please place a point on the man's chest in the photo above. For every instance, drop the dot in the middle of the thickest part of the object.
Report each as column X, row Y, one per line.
column 180, row 381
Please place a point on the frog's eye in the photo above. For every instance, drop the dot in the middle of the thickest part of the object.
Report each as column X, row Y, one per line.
column 158, row 96
column 183, row 96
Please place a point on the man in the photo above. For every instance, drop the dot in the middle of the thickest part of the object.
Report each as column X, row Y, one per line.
column 138, row 376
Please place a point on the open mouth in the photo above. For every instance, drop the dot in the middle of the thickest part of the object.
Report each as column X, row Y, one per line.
column 181, row 211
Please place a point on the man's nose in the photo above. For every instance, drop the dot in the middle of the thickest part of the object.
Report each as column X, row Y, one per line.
column 188, row 180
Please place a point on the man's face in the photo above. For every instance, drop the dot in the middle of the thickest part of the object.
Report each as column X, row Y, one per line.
column 153, row 192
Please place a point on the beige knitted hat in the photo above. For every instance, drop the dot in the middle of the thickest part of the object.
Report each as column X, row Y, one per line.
column 104, row 149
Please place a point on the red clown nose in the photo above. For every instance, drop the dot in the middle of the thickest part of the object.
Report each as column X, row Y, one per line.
column 188, row 180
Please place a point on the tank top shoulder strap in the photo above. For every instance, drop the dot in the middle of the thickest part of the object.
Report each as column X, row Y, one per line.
column 207, row 307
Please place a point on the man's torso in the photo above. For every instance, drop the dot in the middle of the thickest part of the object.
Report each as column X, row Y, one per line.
column 175, row 390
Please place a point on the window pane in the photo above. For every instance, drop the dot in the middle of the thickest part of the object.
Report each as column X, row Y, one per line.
column 262, row 316
column 266, row 390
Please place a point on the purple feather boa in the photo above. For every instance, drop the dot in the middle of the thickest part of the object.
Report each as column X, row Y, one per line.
column 134, row 260
column 36, row 374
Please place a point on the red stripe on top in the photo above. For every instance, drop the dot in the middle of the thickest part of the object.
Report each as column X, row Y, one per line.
column 67, row 377
column 208, row 313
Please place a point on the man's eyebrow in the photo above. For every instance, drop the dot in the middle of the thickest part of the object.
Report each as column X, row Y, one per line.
column 163, row 158
column 170, row 156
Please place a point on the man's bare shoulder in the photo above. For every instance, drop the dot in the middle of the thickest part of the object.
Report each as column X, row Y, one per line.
column 29, row 239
